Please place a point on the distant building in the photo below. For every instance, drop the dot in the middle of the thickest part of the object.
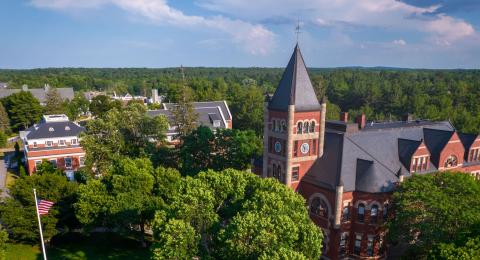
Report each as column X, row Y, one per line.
column 89, row 95
column 55, row 139
column 347, row 171
column 127, row 97
column 39, row 93
column 214, row 114
column 3, row 85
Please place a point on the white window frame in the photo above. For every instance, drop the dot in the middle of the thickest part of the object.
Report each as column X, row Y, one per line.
column 54, row 159
column 71, row 162
column 81, row 161
column 35, row 145
column 73, row 141
column 62, row 144
column 49, row 143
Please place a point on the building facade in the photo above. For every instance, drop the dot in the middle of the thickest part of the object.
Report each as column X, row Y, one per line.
column 347, row 171
column 54, row 139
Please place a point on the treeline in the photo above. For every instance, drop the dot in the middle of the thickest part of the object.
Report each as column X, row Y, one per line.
column 382, row 94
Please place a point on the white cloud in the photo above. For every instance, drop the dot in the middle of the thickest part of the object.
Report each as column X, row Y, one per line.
column 399, row 42
column 253, row 38
column 389, row 14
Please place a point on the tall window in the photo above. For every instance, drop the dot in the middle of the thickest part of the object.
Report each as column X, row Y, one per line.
column 451, row 161
column 73, row 142
column 312, row 127
column 420, row 163
column 343, row 243
column 68, row 162
column 475, row 155
column 299, row 128
column 284, row 126
column 361, row 213
column 370, row 246
column 374, row 214
column 305, row 127
column 53, row 162
column 385, row 212
column 314, row 146
column 295, row 173
column 346, row 213
column 295, row 148
column 319, row 207
column 358, row 244
column 82, row 160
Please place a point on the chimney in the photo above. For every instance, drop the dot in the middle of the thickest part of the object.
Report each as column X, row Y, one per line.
column 344, row 117
column 361, row 121
column 321, row 133
column 408, row 117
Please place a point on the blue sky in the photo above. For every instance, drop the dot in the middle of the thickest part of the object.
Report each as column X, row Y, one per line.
column 239, row 33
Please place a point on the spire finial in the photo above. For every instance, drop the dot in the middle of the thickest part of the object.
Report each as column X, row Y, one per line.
column 297, row 28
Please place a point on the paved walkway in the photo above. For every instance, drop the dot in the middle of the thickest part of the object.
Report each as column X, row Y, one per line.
column 3, row 178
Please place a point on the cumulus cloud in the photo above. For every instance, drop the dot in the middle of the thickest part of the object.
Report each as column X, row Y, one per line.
column 399, row 42
column 390, row 14
column 253, row 38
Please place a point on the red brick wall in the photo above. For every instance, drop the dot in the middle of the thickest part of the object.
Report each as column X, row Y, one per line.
column 453, row 147
column 60, row 163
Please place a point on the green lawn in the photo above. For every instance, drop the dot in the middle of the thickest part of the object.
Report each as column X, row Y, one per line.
column 74, row 246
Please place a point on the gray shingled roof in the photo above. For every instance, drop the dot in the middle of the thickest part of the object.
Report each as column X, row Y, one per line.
column 367, row 160
column 406, row 148
column 39, row 93
column 295, row 87
column 208, row 104
column 42, row 130
column 435, row 140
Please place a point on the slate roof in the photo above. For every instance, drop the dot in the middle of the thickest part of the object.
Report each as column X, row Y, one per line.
column 406, row 148
column 39, row 93
column 435, row 140
column 467, row 140
column 368, row 160
column 295, row 87
column 42, row 130
column 207, row 113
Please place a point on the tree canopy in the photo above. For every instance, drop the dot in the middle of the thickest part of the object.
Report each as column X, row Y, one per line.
column 54, row 104
column 23, row 109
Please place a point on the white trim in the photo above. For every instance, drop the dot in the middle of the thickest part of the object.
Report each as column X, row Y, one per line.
column 55, row 155
column 223, row 117
column 228, row 110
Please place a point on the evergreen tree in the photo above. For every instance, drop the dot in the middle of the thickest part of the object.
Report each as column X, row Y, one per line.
column 23, row 109
column 54, row 103
column 184, row 115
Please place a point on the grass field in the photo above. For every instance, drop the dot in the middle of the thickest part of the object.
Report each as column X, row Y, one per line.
column 75, row 246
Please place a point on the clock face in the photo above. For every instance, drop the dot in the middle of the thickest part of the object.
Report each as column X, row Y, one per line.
column 304, row 148
column 278, row 147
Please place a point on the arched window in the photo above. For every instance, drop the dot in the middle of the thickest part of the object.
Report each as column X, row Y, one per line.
column 361, row 213
column 274, row 125
column 305, row 127
column 299, row 128
column 374, row 214
column 385, row 212
column 451, row 161
column 346, row 213
column 312, row 127
column 319, row 207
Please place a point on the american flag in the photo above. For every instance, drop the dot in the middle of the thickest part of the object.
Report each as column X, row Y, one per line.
column 44, row 206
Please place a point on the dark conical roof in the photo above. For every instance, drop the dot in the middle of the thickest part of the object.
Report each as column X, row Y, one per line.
column 295, row 87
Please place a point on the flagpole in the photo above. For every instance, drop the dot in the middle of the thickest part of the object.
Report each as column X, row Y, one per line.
column 40, row 225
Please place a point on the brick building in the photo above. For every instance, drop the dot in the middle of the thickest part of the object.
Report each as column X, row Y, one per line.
column 347, row 171
column 55, row 139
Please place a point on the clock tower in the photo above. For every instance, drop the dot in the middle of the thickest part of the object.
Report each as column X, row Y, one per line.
column 294, row 125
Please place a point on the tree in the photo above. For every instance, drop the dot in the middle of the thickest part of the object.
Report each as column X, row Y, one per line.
column 23, row 109
column 128, row 195
column 450, row 251
column 184, row 115
column 3, row 243
column 77, row 106
column 435, row 208
column 196, row 152
column 247, row 108
column 3, row 139
column 235, row 215
column 101, row 104
column 127, row 132
column 18, row 213
column 4, row 120
column 54, row 104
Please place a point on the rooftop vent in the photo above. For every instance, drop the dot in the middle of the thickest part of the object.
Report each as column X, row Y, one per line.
column 50, row 129
column 67, row 128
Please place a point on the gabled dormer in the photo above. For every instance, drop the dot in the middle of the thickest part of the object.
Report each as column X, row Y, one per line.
column 414, row 155
column 471, row 143
column 446, row 148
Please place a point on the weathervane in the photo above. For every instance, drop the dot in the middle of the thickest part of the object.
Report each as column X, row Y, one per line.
column 297, row 28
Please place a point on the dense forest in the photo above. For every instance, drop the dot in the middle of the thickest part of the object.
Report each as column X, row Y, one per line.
column 380, row 93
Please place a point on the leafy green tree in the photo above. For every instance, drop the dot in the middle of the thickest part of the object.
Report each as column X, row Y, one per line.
column 101, row 104
column 435, row 208
column 127, row 196
column 235, row 215
column 450, row 251
column 23, row 109
column 18, row 213
column 3, row 139
column 3, row 243
column 184, row 115
column 197, row 150
column 54, row 104
column 247, row 104
column 79, row 105
column 4, row 120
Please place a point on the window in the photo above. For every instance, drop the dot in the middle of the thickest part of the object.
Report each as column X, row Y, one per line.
column 82, row 160
column 305, row 127
column 314, row 146
column 346, row 213
column 319, row 207
column 451, row 161
column 37, row 164
column 420, row 163
column 374, row 214
column 216, row 123
column 358, row 244
column 295, row 148
column 299, row 128
column 274, row 125
column 53, row 162
column 370, row 246
column 68, row 162
column 74, row 141
column 284, row 126
column 277, row 172
column 312, row 127
column 295, row 173
column 343, row 243
column 61, row 142
column 385, row 212
column 49, row 143
column 475, row 155
column 361, row 213
column 34, row 144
